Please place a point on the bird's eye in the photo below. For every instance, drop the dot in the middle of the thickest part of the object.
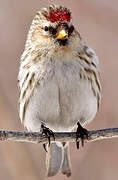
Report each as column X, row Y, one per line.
column 46, row 28
column 71, row 29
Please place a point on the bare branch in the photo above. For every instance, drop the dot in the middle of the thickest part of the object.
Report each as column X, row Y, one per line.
column 35, row 137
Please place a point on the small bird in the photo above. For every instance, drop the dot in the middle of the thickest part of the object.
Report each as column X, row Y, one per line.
column 58, row 83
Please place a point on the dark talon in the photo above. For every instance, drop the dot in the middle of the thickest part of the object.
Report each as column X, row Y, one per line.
column 48, row 133
column 81, row 133
column 44, row 146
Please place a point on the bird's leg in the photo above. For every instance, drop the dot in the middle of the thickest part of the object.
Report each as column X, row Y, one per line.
column 48, row 133
column 81, row 133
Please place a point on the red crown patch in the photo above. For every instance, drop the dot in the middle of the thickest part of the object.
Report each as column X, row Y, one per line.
column 58, row 15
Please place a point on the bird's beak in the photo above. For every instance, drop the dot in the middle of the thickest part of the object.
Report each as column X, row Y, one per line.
column 62, row 34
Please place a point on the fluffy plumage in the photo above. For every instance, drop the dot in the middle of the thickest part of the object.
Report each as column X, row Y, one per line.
column 58, row 81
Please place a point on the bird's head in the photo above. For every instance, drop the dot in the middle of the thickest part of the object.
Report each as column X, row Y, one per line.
column 52, row 28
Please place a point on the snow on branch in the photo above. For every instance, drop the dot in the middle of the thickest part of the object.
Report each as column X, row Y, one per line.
column 35, row 137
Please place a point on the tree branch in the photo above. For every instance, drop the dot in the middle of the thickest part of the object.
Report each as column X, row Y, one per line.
column 35, row 137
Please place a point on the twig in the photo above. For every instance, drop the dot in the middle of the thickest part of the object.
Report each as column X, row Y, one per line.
column 35, row 137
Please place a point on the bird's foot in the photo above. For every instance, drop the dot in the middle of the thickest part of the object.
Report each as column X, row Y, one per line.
column 81, row 133
column 48, row 133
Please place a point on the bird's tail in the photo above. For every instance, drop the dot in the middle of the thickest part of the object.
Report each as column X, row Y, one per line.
column 58, row 159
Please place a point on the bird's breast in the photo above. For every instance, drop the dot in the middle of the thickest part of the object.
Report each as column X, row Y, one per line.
column 62, row 99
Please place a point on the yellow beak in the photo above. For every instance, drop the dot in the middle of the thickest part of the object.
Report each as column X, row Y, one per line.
column 62, row 34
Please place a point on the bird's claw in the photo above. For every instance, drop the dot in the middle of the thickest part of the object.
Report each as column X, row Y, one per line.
column 44, row 146
column 81, row 133
column 48, row 133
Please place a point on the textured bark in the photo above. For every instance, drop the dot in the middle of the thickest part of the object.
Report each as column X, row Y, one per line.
column 35, row 137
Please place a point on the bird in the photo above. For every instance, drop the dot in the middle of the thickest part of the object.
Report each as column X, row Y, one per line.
column 58, row 82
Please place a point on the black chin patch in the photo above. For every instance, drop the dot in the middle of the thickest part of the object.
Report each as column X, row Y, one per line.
column 62, row 42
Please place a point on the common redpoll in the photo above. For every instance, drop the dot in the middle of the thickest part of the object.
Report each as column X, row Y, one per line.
column 58, row 82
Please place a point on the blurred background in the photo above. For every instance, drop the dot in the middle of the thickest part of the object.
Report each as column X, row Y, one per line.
column 97, row 22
